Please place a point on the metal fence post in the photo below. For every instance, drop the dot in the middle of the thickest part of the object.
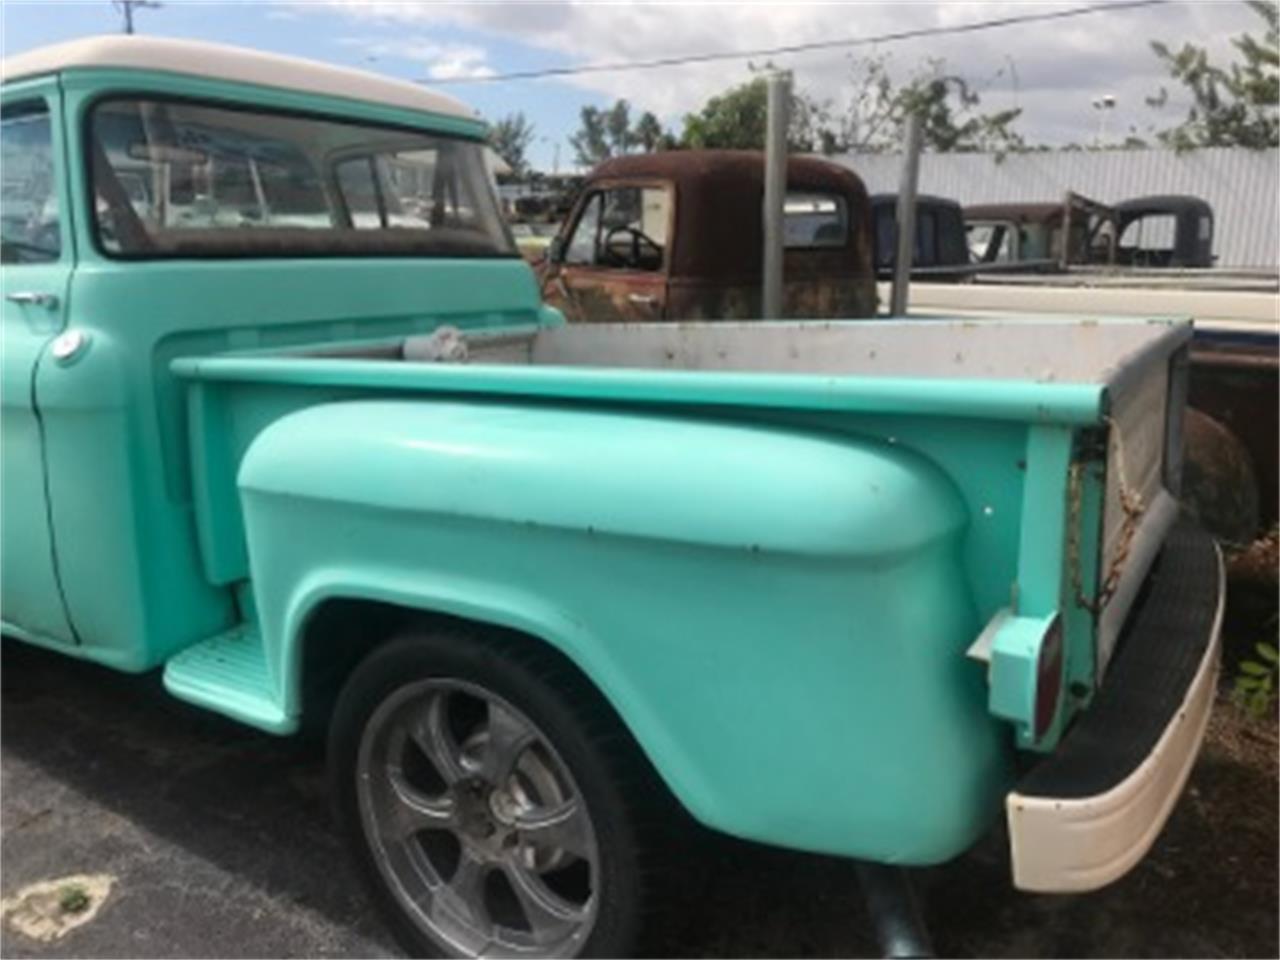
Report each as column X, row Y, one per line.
column 906, row 219
column 775, row 191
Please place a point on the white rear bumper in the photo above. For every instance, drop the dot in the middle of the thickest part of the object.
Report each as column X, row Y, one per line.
column 1062, row 845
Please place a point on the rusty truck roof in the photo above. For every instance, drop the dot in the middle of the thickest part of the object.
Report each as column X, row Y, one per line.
column 717, row 233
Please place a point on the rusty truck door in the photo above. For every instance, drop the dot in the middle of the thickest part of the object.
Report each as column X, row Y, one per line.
column 610, row 266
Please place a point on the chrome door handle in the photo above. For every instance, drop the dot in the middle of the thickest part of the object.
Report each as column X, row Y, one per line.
column 642, row 298
column 47, row 300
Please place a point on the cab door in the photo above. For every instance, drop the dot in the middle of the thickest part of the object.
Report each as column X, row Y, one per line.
column 611, row 267
column 35, row 270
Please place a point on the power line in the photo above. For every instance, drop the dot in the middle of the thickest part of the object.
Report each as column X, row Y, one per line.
column 973, row 27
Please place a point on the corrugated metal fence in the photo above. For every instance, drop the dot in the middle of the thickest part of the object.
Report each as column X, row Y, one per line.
column 1240, row 185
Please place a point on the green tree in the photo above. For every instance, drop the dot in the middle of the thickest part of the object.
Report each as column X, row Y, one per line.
column 874, row 118
column 738, row 119
column 876, row 114
column 648, row 133
column 510, row 138
column 951, row 120
column 1235, row 105
column 591, row 143
column 610, row 133
column 617, row 127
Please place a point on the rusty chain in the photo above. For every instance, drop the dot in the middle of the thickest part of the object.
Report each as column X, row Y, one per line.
column 1131, row 503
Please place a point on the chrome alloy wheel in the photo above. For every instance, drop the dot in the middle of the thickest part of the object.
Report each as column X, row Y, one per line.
column 476, row 824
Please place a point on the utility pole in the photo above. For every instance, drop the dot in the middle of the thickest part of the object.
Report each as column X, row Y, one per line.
column 775, row 192
column 126, row 8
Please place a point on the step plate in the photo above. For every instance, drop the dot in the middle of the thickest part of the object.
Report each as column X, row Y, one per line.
column 228, row 675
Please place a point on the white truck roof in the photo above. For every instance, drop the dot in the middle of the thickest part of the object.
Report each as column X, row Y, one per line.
column 222, row 62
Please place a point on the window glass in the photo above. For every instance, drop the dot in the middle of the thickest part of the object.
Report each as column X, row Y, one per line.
column 624, row 228
column 1039, row 242
column 991, row 242
column 926, row 239
column 1078, row 250
column 582, row 245
column 1152, row 232
column 886, row 236
column 355, row 180
column 28, row 188
column 188, row 179
column 1102, row 240
column 949, row 248
column 811, row 220
column 633, row 228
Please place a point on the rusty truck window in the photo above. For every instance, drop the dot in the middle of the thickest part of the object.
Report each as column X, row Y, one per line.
column 622, row 228
column 582, row 245
column 812, row 220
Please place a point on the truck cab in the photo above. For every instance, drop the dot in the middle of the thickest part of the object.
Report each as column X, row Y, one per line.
column 941, row 253
column 679, row 236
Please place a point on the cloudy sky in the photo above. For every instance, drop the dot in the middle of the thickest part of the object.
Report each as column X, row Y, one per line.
column 1053, row 71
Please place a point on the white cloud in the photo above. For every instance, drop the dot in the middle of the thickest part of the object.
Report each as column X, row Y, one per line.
column 439, row 61
column 1059, row 66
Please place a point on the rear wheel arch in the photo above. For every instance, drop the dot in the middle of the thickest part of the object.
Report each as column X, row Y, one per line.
column 331, row 623
column 340, row 631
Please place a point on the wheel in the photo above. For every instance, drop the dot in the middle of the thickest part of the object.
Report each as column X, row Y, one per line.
column 1219, row 480
column 480, row 787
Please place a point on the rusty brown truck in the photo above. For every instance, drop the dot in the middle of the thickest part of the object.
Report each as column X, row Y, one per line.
column 679, row 236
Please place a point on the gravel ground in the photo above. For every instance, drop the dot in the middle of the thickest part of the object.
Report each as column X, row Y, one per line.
column 220, row 845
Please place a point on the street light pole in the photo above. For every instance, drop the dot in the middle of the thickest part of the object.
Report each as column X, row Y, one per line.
column 1103, row 104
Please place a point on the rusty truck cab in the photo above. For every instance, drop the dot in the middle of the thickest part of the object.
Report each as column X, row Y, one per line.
column 679, row 236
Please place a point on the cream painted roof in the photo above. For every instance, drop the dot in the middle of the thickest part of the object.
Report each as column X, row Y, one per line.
column 222, row 62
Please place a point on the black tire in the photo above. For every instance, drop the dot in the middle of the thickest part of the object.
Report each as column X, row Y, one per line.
column 630, row 812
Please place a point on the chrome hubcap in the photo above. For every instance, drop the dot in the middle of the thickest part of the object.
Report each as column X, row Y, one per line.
column 476, row 823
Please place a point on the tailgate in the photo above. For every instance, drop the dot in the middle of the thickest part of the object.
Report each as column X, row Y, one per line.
column 1147, row 395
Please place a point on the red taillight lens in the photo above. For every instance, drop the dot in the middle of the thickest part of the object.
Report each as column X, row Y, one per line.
column 1049, row 678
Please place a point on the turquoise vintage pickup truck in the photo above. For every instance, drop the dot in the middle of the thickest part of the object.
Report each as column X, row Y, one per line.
column 284, row 417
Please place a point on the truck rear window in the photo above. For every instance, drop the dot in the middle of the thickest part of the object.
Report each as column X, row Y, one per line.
column 814, row 220
column 187, row 179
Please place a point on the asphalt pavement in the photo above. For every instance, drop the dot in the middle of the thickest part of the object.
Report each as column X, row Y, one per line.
column 220, row 843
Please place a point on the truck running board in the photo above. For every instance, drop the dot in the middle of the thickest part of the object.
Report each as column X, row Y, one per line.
column 228, row 674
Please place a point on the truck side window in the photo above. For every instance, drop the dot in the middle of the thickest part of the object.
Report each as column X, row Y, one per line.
column 582, row 245
column 886, row 236
column 1149, row 240
column 633, row 230
column 926, row 239
column 624, row 227
column 28, row 198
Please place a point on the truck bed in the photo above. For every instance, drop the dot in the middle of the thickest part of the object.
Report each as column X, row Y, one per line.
column 1062, row 352
column 985, row 400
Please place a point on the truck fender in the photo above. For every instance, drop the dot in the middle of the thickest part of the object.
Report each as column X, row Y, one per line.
column 707, row 576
